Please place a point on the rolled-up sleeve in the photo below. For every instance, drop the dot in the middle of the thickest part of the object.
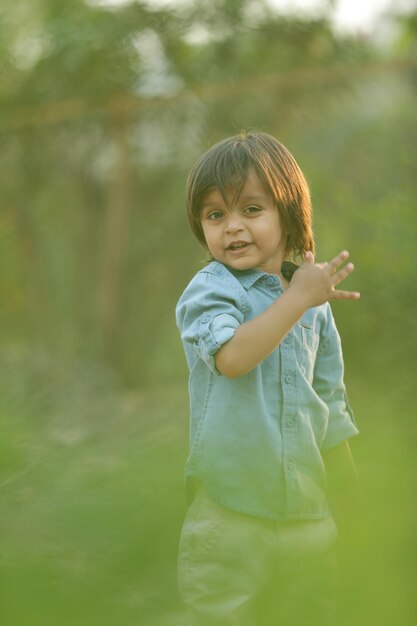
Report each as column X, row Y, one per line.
column 208, row 314
column 329, row 385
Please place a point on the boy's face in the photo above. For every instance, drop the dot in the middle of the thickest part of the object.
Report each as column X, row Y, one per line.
column 245, row 232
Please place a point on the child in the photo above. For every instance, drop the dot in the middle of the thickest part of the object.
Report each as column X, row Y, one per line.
column 266, row 393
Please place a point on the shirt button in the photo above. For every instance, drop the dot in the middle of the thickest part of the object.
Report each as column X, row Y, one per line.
column 290, row 421
column 288, row 339
column 291, row 466
column 270, row 280
column 288, row 379
column 205, row 318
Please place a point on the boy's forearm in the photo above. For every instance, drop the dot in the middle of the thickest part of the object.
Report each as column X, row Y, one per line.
column 311, row 285
column 258, row 338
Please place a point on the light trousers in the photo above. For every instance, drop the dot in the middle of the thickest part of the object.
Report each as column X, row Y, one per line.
column 239, row 570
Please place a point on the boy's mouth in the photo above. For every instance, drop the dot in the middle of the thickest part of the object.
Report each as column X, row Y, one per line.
column 238, row 245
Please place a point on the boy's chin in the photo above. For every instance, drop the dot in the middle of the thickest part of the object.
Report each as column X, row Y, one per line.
column 240, row 264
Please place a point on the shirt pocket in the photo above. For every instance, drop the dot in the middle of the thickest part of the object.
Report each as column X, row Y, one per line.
column 309, row 343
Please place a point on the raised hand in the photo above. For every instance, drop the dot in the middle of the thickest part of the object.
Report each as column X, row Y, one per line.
column 311, row 285
column 317, row 282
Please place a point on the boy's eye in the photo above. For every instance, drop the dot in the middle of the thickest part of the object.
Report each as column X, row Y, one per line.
column 215, row 215
column 252, row 209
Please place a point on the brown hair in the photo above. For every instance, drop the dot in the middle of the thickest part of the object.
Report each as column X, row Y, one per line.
column 225, row 167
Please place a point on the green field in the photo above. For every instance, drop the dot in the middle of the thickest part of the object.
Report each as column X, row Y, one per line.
column 92, row 500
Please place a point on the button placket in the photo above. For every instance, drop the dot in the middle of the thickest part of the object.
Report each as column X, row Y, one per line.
column 289, row 424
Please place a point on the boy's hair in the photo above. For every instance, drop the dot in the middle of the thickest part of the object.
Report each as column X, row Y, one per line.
column 225, row 167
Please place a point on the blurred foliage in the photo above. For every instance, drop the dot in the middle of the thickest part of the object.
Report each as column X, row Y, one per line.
column 99, row 106
column 90, row 518
column 102, row 112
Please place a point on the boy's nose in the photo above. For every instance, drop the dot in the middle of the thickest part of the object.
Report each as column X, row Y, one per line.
column 234, row 223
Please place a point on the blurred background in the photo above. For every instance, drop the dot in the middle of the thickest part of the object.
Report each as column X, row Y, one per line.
column 104, row 106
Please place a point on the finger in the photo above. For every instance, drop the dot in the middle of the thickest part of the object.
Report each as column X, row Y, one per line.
column 338, row 294
column 342, row 274
column 309, row 257
column 337, row 261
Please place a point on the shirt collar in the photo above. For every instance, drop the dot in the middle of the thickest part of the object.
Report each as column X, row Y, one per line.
column 248, row 278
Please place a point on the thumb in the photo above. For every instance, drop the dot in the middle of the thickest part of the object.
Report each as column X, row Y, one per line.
column 308, row 258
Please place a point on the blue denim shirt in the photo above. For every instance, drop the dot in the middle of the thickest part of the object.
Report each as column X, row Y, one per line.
column 256, row 442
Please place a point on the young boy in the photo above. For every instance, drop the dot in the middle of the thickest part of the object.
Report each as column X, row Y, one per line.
column 267, row 396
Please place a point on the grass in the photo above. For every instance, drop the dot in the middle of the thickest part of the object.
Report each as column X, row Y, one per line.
column 92, row 497
column 92, row 500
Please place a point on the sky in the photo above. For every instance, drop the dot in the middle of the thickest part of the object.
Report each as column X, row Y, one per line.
column 360, row 16
column 349, row 15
